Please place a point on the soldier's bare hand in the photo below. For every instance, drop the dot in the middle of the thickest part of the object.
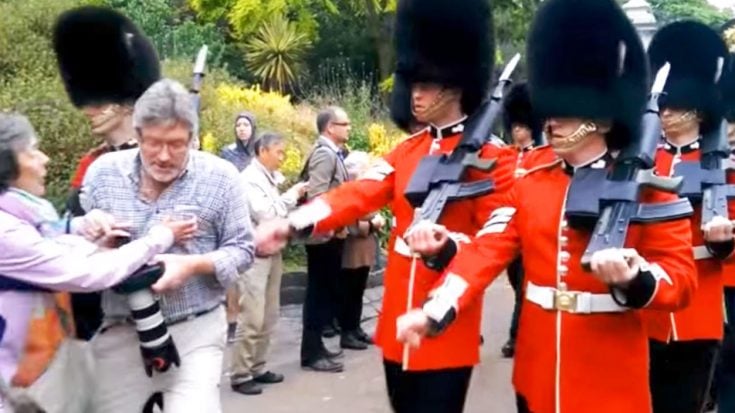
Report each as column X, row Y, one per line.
column 427, row 238
column 271, row 236
column 411, row 327
column 719, row 229
column 616, row 266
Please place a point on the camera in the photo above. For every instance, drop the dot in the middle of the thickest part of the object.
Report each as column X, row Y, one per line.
column 156, row 344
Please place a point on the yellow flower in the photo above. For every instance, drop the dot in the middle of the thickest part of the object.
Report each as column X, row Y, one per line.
column 380, row 141
column 209, row 143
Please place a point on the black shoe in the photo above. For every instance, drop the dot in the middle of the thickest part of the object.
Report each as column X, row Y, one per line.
column 509, row 349
column 332, row 354
column 269, row 377
column 329, row 332
column 350, row 341
column 323, row 364
column 249, row 388
column 363, row 336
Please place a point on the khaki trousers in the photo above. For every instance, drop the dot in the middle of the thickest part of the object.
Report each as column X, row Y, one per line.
column 123, row 387
column 260, row 303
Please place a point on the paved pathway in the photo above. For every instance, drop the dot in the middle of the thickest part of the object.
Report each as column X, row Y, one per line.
column 361, row 388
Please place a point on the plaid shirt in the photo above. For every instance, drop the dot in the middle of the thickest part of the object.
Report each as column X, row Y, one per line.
column 211, row 189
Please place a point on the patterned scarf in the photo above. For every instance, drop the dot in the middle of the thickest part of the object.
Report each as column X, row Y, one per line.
column 51, row 323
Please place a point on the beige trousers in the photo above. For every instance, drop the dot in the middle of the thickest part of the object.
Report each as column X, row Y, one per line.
column 123, row 387
column 260, row 303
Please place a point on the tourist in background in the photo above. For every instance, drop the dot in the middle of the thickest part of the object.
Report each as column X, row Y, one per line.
column 260, row 285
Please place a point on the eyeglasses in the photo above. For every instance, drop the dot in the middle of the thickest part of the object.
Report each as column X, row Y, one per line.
column 341, row 123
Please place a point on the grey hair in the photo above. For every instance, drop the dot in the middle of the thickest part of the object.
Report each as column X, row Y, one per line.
column 166, row 102
column 356, row 162
column 16, row 132
column 267, row 140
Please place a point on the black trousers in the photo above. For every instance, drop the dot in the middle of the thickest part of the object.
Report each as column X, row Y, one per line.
column 324, row 265
column 351, row 286
column 521, row 404
column 433, row 391
column 725, row 372
column 515, row 277
column 680, row 374
column 87, row 311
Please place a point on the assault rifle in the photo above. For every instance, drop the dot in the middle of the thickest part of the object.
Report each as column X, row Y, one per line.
column 438, row 178
column 705, row 180
column 198, row 76
column 196, row 85
column 620, row 188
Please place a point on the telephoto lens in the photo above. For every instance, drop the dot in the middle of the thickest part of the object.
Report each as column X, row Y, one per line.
column 156, row 344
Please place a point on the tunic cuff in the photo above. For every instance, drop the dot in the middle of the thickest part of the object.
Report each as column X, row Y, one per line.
column 721, row 250
column 441, row 260
column 638, row 293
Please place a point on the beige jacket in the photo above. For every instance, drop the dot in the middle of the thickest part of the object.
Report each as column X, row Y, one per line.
column 264, row 199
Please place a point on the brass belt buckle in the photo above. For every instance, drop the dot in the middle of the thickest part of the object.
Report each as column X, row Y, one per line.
column 565, row 301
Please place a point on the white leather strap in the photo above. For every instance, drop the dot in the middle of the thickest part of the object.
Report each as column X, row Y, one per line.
column 402, row 248
column 577, row 302
column 701, row 253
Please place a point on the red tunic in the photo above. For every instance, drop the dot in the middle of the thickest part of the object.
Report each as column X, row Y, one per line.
column 571, row 362
column 384, row 184
column 703, row 318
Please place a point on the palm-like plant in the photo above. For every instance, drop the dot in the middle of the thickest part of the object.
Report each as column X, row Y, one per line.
column 274, row 54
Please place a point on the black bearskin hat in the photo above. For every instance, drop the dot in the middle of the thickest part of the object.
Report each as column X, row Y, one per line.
column 517, row 110
column 586, row 61
column 727, row 89
column 697, row 55
column 103, row 57
column 444, row 42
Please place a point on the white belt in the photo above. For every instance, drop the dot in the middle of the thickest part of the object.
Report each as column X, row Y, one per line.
column 579, row 302
column 402, row 248
column 701, row 253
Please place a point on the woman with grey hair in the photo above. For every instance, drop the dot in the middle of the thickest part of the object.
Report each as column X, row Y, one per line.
column 260, row 285
column 41, row 254
column 358, row 257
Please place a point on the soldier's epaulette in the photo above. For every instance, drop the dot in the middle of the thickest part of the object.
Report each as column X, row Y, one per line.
column 494, row 140
column 545, row 166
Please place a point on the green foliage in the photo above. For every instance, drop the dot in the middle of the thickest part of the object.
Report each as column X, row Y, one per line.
column 338, row 85
column 512, row 20
column 172, row 31
column 245, row 17
column 275, row 54
column 670, row 10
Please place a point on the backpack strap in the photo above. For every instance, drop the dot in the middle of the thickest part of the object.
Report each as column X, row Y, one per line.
column 304, row 175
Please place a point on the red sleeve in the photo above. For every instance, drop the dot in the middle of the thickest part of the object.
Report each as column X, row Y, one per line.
column 352, row 200
column 667, row 247
column 503, row 178
column 76, row 181
column 477, row 264
column 731, row 203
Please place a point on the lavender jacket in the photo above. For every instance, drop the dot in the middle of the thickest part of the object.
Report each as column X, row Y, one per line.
column 63, row 263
